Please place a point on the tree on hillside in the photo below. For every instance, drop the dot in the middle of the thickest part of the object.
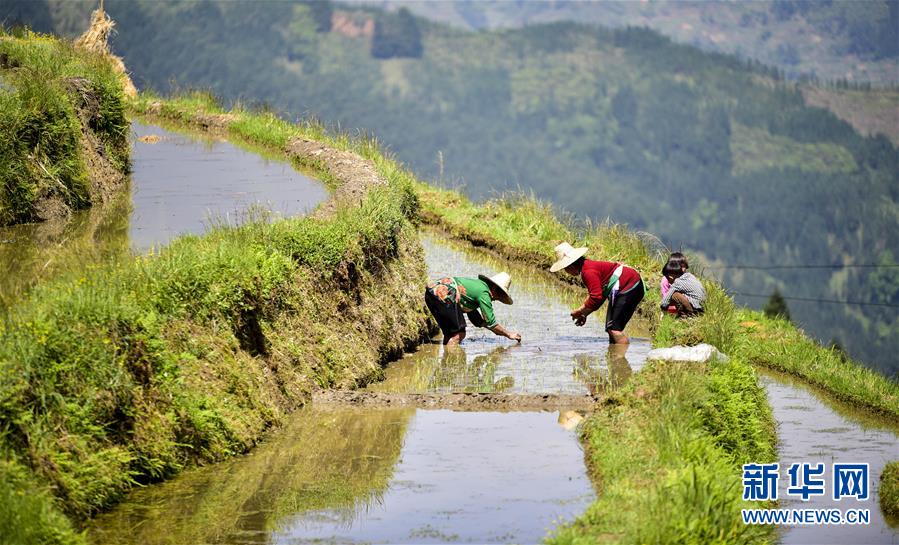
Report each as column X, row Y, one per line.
column 776, row 307
column 321, row 12
column 301, row 32
column 396, row 36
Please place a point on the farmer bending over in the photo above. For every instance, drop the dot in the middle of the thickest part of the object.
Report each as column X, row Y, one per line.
column 686, row 292
column 618, row 283
column 451, row 297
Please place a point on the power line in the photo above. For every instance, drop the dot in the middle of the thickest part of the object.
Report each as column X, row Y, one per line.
column 814, row 300
column 771, row 267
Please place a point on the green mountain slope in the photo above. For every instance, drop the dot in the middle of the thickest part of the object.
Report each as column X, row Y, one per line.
column 832, row 39
column 711, row 153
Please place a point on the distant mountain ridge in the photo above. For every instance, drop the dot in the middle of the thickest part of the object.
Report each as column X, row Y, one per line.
column 832, row 39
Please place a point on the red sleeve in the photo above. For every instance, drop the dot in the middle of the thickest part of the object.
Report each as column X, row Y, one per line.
column 594, row 288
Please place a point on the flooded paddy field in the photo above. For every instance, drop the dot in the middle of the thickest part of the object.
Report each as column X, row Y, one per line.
column 180, row 184
column 338, row 474
column 815, row 429
column 372, row 476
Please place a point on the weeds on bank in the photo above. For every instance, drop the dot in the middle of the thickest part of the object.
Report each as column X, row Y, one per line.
column 29, row 516
column 46, row 85
column 779, row 345
column 666, row 453
column 889, row 490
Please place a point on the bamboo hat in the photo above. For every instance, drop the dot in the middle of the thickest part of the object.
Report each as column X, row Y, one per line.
column 566, row 254
column 500, row 282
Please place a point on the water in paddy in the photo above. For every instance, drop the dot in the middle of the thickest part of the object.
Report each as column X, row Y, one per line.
column 553, row 357
column 375, row 475
column 371, row 476
column 815, row 429
column 179, row 184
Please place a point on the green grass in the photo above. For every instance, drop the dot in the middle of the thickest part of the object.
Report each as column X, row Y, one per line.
column 665, row 452
column 777, row 344
column 49, row 86
column 127, row 371
column 29, row 515
column 889, row 490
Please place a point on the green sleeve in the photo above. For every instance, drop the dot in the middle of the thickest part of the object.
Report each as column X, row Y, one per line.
column 486, row 306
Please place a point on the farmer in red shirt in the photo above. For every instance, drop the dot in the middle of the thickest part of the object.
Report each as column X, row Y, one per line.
column 618, row 283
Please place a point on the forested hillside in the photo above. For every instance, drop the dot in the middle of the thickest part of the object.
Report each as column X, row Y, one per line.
column 832, row 39
column 711, row 153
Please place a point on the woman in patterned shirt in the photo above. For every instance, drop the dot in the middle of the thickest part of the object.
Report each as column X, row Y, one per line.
column 450, row 297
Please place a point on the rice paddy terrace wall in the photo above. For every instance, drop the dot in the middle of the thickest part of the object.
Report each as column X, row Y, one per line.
column 63, row 130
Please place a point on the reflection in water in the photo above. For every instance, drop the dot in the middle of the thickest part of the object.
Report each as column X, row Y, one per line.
column 570, row 419
column 814, row 429
column 340, row 460
column 467, row 478
column 181, row 183
column 601, row 374
column 35, row 252
column 481, row 477
column 446, row 370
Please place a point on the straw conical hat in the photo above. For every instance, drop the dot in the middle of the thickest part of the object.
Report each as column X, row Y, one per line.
column 566, row 254
column 501, row 282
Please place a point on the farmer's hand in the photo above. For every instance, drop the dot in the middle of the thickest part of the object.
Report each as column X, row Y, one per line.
column 503, row 332
column 579, row 317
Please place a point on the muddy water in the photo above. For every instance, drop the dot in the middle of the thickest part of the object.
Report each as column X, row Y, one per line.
column 553, row 357
column 375, row 475
column 179, row 183
column 814, row 429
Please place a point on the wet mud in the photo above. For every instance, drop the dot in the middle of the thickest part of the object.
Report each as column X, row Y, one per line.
column 470, row 401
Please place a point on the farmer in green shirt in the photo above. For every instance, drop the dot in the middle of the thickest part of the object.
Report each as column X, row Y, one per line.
column 451, row 297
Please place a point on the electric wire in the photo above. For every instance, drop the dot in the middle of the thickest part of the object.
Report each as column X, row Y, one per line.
column 816, row 300
column 778, row 267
